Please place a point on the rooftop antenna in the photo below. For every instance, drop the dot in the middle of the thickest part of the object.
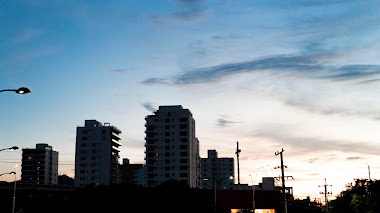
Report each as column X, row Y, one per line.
column 237, row 155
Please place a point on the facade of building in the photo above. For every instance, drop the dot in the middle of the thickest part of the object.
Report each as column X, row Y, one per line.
column 40, row 165
column 97, row 154
column 129, row 172
column 172, row 150
column 217, row 171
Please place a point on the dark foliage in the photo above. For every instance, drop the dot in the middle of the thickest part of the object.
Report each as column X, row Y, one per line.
column 361, row 197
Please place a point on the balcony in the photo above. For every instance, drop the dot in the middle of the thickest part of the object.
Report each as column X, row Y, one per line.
column 116, row 142
column 115, row 148
column 116, row 135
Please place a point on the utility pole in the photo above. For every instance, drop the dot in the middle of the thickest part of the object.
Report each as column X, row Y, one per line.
column 369, row 173
column 283, row 179
column 326, row 194
column 237, row 155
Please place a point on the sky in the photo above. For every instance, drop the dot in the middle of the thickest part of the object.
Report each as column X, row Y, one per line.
column 297, row 75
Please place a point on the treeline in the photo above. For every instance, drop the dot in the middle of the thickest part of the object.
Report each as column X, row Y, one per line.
column 361, row 197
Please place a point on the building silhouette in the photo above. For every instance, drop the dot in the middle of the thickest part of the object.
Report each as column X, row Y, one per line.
column 97, row 154
column 40, row 165
column 172, row 150
column 130, row 172
column 64, row 180
column 217, row 171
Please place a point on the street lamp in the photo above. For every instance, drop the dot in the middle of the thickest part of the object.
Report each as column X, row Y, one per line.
column 21, row 90
column 220, row 180
column 10, row 148
column 9, row 173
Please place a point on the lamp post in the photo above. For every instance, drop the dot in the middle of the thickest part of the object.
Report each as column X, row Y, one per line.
column 21, row 90
column 14, row 193
column 10, row 148
column 219, row 182
column 253, row 194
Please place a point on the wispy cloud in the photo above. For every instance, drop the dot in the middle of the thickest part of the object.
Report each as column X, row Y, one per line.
column 26, row 35
column 118, row 70
column 303, row 145
column 354, row 158
column 155, row 81
column 120, row 94
column 190, row 14
column 224, row 121
column 189, row 11
column 313, row 160
column 149, row 106
column 297, row 66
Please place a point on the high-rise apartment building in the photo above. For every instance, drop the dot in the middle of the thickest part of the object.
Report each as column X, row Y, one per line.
column 172, row 150
column 217, row 172
column 40, row 165
column 97, row 154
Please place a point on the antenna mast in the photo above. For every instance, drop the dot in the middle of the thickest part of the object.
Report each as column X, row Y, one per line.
column 237, row 155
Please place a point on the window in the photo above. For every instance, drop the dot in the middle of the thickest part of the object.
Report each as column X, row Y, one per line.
column 167, row 140
column 150, row 148
column 183, row 160
column 183, row 174
column 84, row 138
column 167, row 147
column 167, row 154
column 167, row 127
column 183, row 120
column 183, row 147
column 183, row 140
column 167, row 120
column 83, row 144
column 167, row 168
column 167, row 133
column 183, row 168
column 103, row 132
column 183, row 133
column 84, row 131
column 150, row 141
column 82, row 171
column 167, row 161
column 183, row 154
column 183, row 126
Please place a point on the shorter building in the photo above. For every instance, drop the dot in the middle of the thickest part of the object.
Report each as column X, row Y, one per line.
column 40, row 165
column 129, row 172
column 217, row 172
column 64, row 180
column 268, row 184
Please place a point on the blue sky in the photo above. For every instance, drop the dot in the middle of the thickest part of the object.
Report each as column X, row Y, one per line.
column 298, row 75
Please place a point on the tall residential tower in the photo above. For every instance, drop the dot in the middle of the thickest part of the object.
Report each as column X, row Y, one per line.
column 97, row 154
column 172, row 150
